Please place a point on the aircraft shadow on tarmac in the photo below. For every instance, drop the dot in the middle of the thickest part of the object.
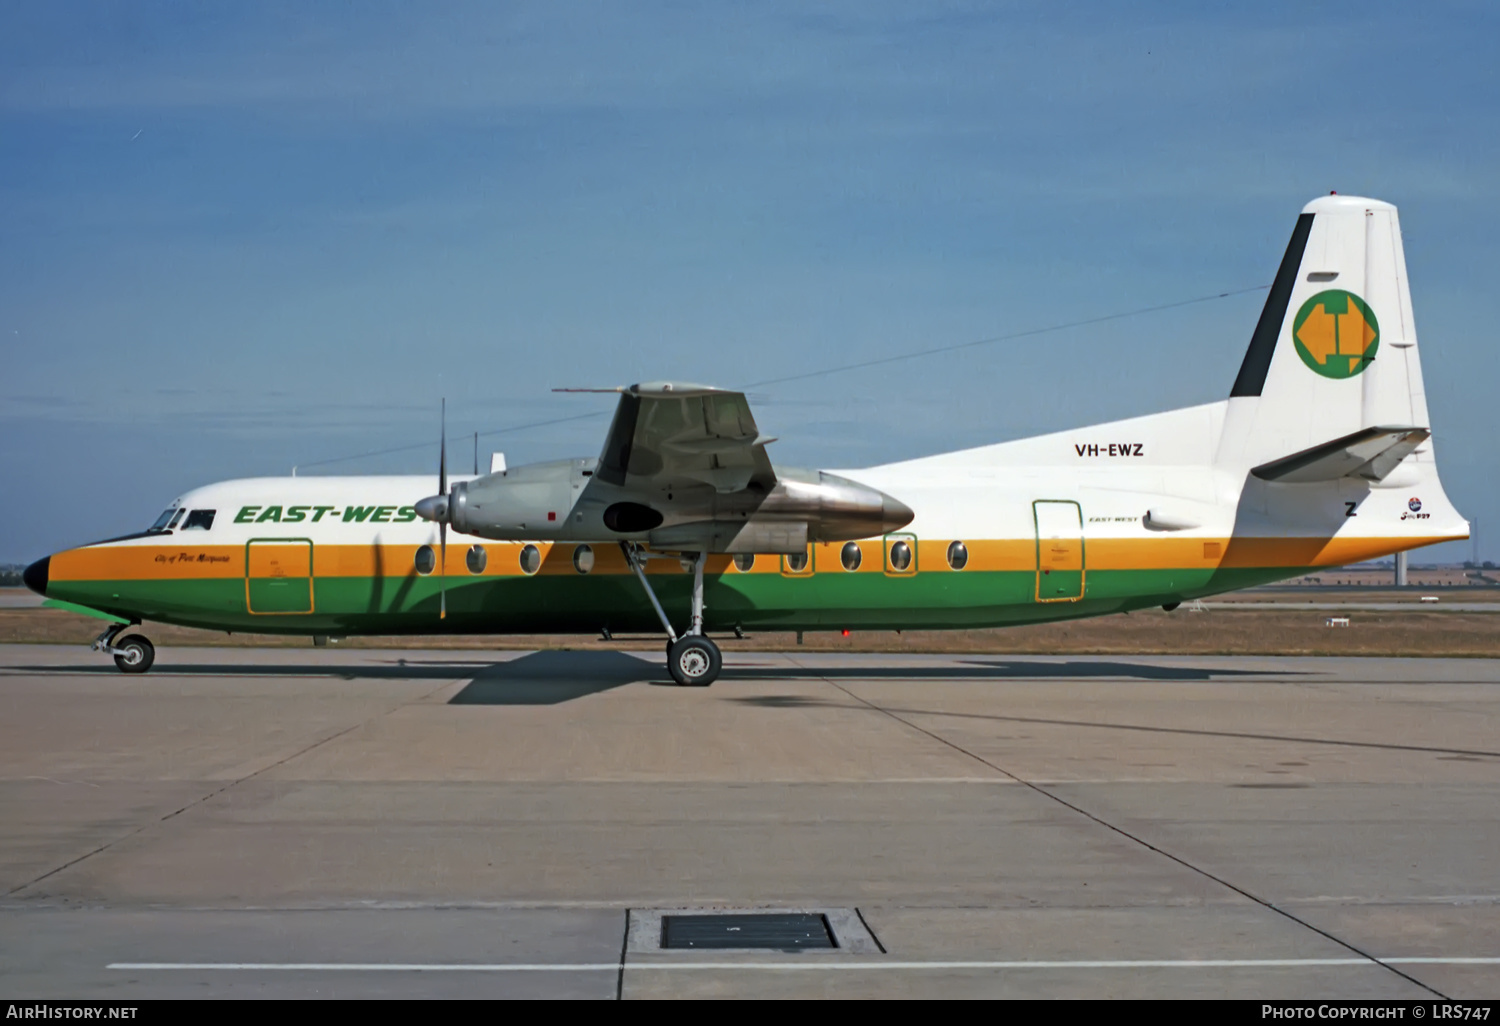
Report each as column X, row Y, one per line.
column 547, row 678
column 1134, row 671
column 397, row 670
column 1007, row 669
column 537, row 678
column 552, row 677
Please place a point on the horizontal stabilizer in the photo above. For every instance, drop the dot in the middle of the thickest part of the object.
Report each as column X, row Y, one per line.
column 1371, row 454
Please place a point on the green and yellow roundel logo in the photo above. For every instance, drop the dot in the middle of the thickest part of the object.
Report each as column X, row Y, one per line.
column 1336, row 333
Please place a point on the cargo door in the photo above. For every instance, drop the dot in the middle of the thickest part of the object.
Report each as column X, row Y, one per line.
column 1059, row 551
column 278, row 576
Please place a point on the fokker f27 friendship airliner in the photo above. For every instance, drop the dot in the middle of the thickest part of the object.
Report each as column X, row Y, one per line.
column 1322, row 455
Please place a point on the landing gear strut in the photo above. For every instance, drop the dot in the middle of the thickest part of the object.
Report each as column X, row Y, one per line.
column 692, row 659
column 133, row 654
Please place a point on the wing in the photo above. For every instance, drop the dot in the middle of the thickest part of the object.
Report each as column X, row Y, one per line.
column 665, row 432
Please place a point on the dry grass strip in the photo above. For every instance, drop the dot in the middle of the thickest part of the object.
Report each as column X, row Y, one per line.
column 1215, row 632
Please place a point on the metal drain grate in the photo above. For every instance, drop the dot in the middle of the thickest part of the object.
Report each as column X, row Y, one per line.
column 799, row 931
column 776, row 931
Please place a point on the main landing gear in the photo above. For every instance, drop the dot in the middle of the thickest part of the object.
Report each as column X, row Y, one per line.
column 692, row 659
column 133, row 653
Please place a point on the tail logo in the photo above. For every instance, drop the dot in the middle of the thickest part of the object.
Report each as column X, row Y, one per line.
column 1336, row 333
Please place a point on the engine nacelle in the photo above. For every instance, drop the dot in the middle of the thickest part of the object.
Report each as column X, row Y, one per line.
column 527, row 502
column 563, row 500
column 835, row 508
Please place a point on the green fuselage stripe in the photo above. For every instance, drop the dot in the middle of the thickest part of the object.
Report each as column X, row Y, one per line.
column 588, row 603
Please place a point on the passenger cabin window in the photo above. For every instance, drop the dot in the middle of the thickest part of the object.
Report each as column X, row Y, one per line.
column 199, row 520
column 583, row 559
column 900, row 556
column 850, row 556
column 958, row 555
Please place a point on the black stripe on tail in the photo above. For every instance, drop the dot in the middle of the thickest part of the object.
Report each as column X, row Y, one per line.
column 1252, row 376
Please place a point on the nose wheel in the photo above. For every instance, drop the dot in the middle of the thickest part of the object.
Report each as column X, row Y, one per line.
column 133, row 653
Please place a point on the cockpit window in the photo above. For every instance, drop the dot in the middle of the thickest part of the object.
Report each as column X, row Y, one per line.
column 199, row 520
column 165, row 519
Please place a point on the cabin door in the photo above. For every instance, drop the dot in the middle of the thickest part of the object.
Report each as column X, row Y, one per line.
column 1059, row 551
column 278, row 576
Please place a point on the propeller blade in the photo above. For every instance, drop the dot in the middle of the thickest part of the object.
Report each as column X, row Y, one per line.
column 443, row 524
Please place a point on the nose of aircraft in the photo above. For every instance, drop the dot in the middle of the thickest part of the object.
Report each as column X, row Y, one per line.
column 35, row 575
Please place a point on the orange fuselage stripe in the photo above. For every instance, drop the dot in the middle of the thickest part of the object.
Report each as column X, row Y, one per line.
column 174, row 562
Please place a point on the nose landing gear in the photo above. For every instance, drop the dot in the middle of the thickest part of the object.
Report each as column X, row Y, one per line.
column 133, row 654
column 692, row 659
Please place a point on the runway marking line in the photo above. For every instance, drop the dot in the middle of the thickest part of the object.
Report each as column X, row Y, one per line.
column 801, row 965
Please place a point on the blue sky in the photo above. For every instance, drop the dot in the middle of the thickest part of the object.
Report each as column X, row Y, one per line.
column 239, row 237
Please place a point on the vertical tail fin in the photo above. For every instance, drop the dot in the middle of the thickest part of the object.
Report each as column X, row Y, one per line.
column 1335, row 350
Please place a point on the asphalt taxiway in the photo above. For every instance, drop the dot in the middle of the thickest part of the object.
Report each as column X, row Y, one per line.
column 299, row 822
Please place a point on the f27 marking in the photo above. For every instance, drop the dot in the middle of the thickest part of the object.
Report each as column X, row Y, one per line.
column 1112, row 449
